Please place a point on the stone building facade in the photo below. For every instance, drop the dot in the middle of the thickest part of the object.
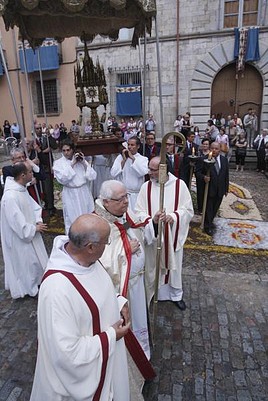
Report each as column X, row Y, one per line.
column 197, row 29
column 197, row 65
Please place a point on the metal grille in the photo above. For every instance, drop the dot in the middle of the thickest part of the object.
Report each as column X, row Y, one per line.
column 50, row 94
column 129, row 78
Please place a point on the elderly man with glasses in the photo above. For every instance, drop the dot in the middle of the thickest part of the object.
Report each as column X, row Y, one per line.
column 124, row 261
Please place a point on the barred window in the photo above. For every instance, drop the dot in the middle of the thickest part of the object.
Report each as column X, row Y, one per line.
column 50, row 95
column 238, row 13
column 129, row 78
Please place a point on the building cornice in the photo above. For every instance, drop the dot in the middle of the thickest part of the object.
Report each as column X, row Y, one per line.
column 168, row 38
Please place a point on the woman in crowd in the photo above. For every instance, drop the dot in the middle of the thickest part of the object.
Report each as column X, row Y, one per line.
column 178, row 123
column 123, row 126
column 211, row 131
column 7, row 129
column 223, row 140
column 197, row 138
column 240, row 150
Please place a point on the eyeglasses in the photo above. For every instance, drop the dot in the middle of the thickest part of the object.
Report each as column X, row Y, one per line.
column 170, row 144
column 108, row 242
column 124, row 197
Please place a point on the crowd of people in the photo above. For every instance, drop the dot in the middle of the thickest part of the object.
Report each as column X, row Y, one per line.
column 97, row 284
column 232, row 133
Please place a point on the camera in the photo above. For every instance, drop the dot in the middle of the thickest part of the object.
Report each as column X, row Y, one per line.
column 79, row 156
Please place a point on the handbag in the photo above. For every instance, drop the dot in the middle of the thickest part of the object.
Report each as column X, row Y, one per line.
column 224, row 148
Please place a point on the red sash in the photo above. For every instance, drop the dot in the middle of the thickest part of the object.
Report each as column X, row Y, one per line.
column 95, row 322
column 131, row 342
column 177, row 165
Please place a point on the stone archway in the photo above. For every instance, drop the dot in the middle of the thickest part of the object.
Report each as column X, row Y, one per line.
column 205, row 73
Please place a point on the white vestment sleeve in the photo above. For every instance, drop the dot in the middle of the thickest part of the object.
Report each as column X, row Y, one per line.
column 90, row 173
column 186, row 213
column 117, row 168
column 63, row 172
column 140, row 165
column 17, row 222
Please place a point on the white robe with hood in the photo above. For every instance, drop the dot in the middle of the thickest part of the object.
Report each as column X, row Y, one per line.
column 24, row 252
column 132, row 175
column 69, row 357
column 76, row 195
column 177, row 234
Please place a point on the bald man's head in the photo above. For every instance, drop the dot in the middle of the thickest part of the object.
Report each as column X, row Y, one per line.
column 89, row 228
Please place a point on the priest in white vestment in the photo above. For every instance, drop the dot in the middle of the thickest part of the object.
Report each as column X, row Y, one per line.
column 130, row 167
column 24, row 252
column 124, row 260
column 75, row 174
column 176, row 216
column 81, row 352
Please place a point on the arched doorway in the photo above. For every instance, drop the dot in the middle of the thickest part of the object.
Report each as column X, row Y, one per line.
column 230, row 95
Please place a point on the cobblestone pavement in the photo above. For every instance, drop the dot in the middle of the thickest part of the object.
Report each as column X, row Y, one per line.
column 215, row 350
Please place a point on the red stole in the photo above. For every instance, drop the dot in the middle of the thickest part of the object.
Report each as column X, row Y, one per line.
column 126, row 245
column 131, row 342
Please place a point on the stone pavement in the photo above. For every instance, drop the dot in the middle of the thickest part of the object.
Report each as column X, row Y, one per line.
column 215, row 350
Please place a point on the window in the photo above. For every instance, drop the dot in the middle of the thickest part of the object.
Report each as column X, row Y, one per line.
column 50, row 94
column 129, row 78
column 239, row 13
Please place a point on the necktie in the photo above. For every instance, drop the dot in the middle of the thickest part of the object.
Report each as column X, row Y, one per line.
column 171, row 160
column 260, row 144
column 217, row 167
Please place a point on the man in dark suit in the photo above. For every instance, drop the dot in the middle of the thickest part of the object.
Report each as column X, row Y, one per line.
column 173, row 159
column 218, row 184
column 190, row 149
column 152, row 148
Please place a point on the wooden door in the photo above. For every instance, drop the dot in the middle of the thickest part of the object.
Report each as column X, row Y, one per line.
column 230, row 95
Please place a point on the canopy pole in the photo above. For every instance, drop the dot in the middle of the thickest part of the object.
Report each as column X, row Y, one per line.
column 144, row 84
column 44, row 105
column 143, row 77
column 28, row 88
column 16, row 110
column 42, row 85
column 18, row 79
column 22, row 132
column 159, row 78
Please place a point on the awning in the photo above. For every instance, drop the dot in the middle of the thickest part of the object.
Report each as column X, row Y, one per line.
column 83, row 18
column 49, row 56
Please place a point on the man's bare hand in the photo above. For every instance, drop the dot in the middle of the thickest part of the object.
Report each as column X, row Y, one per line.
column 159, row 216
column 206, row 178
column 41, row 227
column 169, row 219
column 125, row 314
column 120, row 330
column 134, row 245
column 162, row 216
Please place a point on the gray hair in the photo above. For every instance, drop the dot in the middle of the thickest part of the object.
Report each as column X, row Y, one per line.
column 81, row 239
column 14, row 151
column 108, row 188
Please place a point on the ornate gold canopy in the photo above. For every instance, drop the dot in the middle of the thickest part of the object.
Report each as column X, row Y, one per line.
column 38, row 19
